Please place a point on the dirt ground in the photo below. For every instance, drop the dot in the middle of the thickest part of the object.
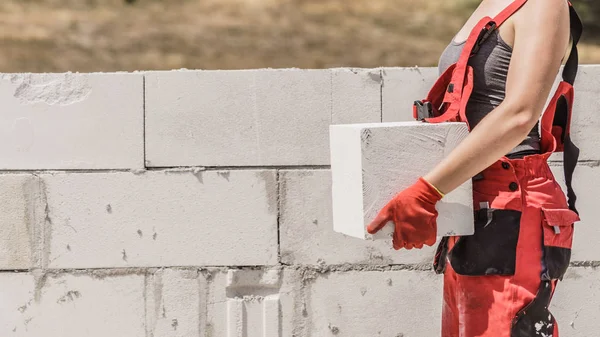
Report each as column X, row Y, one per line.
column 115, row 35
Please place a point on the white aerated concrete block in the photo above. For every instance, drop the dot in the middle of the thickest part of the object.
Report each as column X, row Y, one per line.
column 250, row 303
column 173, row 302
column 238, row 118
column 160, row 218
column 375, row 303
column 576, row 303
column 71, row 121
column 71, row 305
column 371, row 163
column 402, row 87
column 356, row 95
column 306, row 228
column 586, row 184
column 19, row 235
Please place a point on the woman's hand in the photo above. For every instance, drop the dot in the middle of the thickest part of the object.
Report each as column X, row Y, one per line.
column 541, row 37
column 414, row 215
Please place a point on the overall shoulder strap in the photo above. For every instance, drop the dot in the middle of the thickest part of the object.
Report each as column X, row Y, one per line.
column 495, row 23
column 556, row 121
column 570, row 69
column 508, row 11
column 479, row 34
column 563, row 112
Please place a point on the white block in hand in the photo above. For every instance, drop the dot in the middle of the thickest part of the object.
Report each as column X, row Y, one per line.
column 371, row 163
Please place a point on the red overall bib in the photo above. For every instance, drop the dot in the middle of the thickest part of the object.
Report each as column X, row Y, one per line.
column 499, row 281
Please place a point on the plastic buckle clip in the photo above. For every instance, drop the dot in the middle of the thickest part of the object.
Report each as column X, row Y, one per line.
column 423, row 109
column 483, row 36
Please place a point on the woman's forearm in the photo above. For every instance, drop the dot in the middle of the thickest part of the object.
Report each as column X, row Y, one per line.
column 495, row 135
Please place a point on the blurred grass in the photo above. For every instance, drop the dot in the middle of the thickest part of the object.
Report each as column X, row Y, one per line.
column 112, row 35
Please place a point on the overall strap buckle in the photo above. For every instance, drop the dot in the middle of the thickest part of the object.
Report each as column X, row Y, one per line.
column 422, row 110
column 483, row 36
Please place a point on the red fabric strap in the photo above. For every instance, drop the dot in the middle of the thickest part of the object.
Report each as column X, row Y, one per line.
column 473, row 39
column 508, row 12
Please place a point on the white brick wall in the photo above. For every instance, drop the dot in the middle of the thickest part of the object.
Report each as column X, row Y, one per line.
column 200, row 206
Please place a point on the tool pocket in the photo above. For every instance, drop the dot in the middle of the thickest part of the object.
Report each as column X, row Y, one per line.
column 558, row 227
column 492, row 250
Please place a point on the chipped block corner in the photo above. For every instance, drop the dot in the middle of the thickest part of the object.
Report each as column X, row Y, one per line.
column 372, row 162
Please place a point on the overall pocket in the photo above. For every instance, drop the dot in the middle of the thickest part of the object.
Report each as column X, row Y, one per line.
column 558, row 227
column 535, row 319
column 492, row 250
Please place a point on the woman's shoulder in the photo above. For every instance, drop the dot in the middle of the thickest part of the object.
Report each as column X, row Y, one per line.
column 552, row 10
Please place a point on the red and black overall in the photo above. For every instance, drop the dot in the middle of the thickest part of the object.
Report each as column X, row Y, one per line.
column 499, row 281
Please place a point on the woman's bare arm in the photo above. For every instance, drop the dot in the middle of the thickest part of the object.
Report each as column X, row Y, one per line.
column 541, row 38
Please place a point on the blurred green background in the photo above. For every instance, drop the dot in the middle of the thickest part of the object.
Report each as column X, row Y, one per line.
column 115, row 35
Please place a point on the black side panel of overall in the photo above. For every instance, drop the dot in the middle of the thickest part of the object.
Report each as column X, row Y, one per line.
column 556, row 262
column 439, row 263
column 492, row 250
column 535, row 319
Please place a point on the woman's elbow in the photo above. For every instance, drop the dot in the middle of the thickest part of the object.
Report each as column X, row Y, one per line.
column 523, row 116
column 527, row 119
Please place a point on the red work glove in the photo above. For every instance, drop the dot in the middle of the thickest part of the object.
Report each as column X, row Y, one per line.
column 414, row 215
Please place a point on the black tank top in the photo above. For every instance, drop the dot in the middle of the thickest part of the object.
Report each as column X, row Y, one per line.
column 490, row 67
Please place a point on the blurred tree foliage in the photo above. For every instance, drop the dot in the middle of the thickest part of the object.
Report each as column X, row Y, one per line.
column 589, row 11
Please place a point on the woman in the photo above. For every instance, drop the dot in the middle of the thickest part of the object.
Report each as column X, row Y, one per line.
column 499, row 281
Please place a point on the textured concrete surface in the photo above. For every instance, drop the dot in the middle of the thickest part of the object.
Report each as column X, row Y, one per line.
column 72, row 305
column 376, row 303
column 371, row 163
column 159, row 218
column 71, row 121
column 174, row 303
column 356, row 95
column 575, row 303
column 401, row 87
column 19, row 235
column 238, row 118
